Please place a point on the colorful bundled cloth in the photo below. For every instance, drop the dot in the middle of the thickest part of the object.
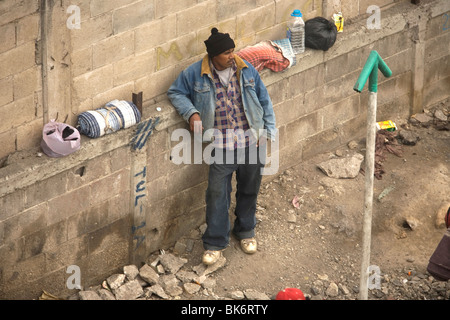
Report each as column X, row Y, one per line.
column 275, row 55
column 116, row 115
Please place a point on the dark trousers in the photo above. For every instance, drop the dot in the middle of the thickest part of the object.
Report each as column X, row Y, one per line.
column 218, row 196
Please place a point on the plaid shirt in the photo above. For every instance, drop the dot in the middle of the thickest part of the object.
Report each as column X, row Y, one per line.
column 230, row 120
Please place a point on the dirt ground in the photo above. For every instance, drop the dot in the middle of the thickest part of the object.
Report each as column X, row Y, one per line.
column 322, row 238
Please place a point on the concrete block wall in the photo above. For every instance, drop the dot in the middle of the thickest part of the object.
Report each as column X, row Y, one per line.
column 113, row 202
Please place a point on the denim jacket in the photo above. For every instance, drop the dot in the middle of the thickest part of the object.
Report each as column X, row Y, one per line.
column 193, row 92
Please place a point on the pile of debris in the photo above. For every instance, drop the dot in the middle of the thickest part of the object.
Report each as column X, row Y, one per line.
column 163, row 278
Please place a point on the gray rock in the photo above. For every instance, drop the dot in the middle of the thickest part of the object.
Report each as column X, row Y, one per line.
column 422, row 118
column 332, row 290
column 106, row 294
column 237, row 295
column 89, row 295
column 438, row 114
column 129, row 291
column 158, row 290
column 191, row 288
column 168, row 280
column 131, row 271
column 148, row 274
column 116, row 280
column 174, row 291
column 408, row 138
column 342, row 168
column 186, row 276
column 251, row 294
column 172, row 263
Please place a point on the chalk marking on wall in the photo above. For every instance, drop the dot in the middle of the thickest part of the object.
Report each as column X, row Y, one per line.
column 174, row 49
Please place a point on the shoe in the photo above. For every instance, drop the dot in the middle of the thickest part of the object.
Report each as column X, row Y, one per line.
column 249, row 245
column 211, row 256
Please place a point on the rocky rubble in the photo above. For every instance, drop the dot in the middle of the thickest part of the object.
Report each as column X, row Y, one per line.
column 164, row 278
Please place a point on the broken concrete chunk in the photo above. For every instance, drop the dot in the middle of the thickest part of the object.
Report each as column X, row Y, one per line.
column 408, row 138
column 129, row 291
column 148, row 274
column 342, row 168
column 116, row 280
column 171, row 262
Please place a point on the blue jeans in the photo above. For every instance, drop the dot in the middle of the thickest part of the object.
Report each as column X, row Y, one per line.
column 218, row 198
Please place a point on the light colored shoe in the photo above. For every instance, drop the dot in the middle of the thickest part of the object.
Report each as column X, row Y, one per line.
column 249, row 245
column 211, row 256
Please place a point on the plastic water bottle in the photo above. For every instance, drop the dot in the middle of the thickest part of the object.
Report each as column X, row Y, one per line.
column 296, row 32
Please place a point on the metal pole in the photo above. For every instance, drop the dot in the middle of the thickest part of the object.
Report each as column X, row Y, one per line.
column 368, row 197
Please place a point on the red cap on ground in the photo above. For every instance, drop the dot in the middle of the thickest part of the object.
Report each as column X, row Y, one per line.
column 290, row 294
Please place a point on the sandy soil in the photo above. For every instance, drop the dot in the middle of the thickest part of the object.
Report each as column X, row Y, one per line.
column 322, row 238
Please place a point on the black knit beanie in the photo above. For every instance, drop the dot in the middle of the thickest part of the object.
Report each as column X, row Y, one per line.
column 218, row 42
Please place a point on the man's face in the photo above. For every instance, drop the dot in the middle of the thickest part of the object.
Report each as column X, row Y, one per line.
column 224, row 60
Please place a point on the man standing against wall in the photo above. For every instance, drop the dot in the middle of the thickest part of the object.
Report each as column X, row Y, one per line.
column 224, row 94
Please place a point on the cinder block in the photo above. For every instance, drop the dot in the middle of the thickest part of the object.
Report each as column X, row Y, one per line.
column 6, row 90
column 111, row 241
column 28, row 28
column 187, row 177
column 303, row 127
column 337, row 113
column 45, row 190
column 8, row 139
column 134, row 67
column 19, row 112
column 27, row 82
column 29, row 135
column 175, row 51
column 156, row 83
column 153, row 34
column 68, row 204
column 17, row 9
column 81, row 61
column 364, row 4
column 112, row 49
column 70, row 252
column 122, row 92
column 7, row 37
column 91, row 31
column 92, row 83
column 164, row 8
column 278, row 91
column 24, row 223
column 195, row 17
column 110, row 186
column 17, row 277
column 437, row 47
column 255, row 20
column 227, row 9
column 289, row 110
column 339, row 66
column 133, row 15
column 101, row 6
column 17, row 60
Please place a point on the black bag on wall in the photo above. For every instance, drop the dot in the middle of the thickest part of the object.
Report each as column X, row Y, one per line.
column 320, row 33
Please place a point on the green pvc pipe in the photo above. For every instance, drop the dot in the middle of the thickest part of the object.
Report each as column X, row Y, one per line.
column 370, row 71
